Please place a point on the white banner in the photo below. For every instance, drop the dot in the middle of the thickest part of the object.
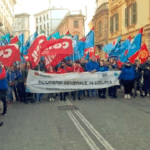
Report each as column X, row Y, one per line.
column 39, row 82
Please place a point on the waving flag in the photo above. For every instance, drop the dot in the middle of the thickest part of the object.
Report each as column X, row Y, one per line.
column 144, row 54
column 112, row 46
column 89, row 42
column 120, row 48
column 9, row 54
column 5, row 39
column 34, row 53
column 134, row 48
column 15, row 40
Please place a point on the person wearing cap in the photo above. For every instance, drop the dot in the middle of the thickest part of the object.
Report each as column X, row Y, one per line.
column 3, row 88
column 127, row 76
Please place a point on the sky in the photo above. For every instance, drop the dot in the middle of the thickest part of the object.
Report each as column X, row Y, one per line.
column 34, row 6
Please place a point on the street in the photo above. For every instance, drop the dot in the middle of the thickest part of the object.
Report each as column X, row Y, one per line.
column 89, row 124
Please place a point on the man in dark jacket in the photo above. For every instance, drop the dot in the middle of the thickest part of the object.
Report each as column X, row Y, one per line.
column 3, row 88
column 138, row 78
column 146, row 76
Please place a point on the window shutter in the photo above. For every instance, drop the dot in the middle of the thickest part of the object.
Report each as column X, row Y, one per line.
column 134, row 16
column 116, row 22
column 126, row 17
column 111, row 24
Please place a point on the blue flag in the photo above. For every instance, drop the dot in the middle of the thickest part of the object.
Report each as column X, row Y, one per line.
column 29, row 43
column 89, row 40
column 112, row 46
column 133, row 48
column 55, row 36
column 120, row 48
column 5, row 39
column 21, row 39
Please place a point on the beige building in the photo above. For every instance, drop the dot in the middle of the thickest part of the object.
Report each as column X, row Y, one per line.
column 100, row 21
column 127, row 17
column 21, row 25
column 72, row 22
column 6, row 16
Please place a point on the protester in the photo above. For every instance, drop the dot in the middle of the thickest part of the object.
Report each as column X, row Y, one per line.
column 62, row 70
column 127, row 76
column 138, row 78
column 78, row 69
column 51, row 95
column 146, row 76
column 28, row 66
column 113, row 90
column 102, row 68
column 11, row 78
column 92, row 67
column 3, row 88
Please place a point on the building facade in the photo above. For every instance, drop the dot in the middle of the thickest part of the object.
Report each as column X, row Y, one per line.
column 49, row 19
column 100, row 23
column 127, row 17
column 72, row 22
column 6, row 16
column 22, row 25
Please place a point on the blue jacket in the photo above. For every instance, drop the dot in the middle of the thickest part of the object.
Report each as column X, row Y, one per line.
column 3, row 83
column 92, row 66
column 11, row 76
column 103, row 68
column 19, row 75
column 127, row 73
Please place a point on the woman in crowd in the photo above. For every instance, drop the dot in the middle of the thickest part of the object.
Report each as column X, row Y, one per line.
column 51, row 71
column 77, row 68
column 127, row 76
column 25, row 71
column 11, row 78
column 102, row 68
column 113, row 90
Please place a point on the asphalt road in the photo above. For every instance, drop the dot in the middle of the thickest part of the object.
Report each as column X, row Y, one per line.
column 89, row 124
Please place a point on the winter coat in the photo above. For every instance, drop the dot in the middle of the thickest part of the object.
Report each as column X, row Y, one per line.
column 146, row 69
column 127, row 73
column 77, row 68
column 69, row 68
column 3, row 79
column 92, row 66
column 11, row 77
column 138, row 71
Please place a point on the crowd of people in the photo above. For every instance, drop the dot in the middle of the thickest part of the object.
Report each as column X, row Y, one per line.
column 134, row 77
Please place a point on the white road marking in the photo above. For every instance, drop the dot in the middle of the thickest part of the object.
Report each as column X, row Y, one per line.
column 87, row 138
column 92, row 129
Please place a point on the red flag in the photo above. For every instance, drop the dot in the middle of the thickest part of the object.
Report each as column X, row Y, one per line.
column 143, row 54
column 83, row 39
column 9, row 54
column 58, row 46
column 97, row 56
column 134, row 57
column 34, row 52
column 141, row 31
column 129, row 38
column 67, row 33
column 120, row 63
column 106, row 55
column 14, row 40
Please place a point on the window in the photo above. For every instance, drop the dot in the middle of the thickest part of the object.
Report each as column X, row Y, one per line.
column 44, row 18
column 76, row 23
column 114, row 23
column 41, row 27
column 36, row 28
column 131, row 15
column 36, row 20
column 100, row 28
column 47, row 16
column 111, row 25
column 40, row 19
column 44, row 27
